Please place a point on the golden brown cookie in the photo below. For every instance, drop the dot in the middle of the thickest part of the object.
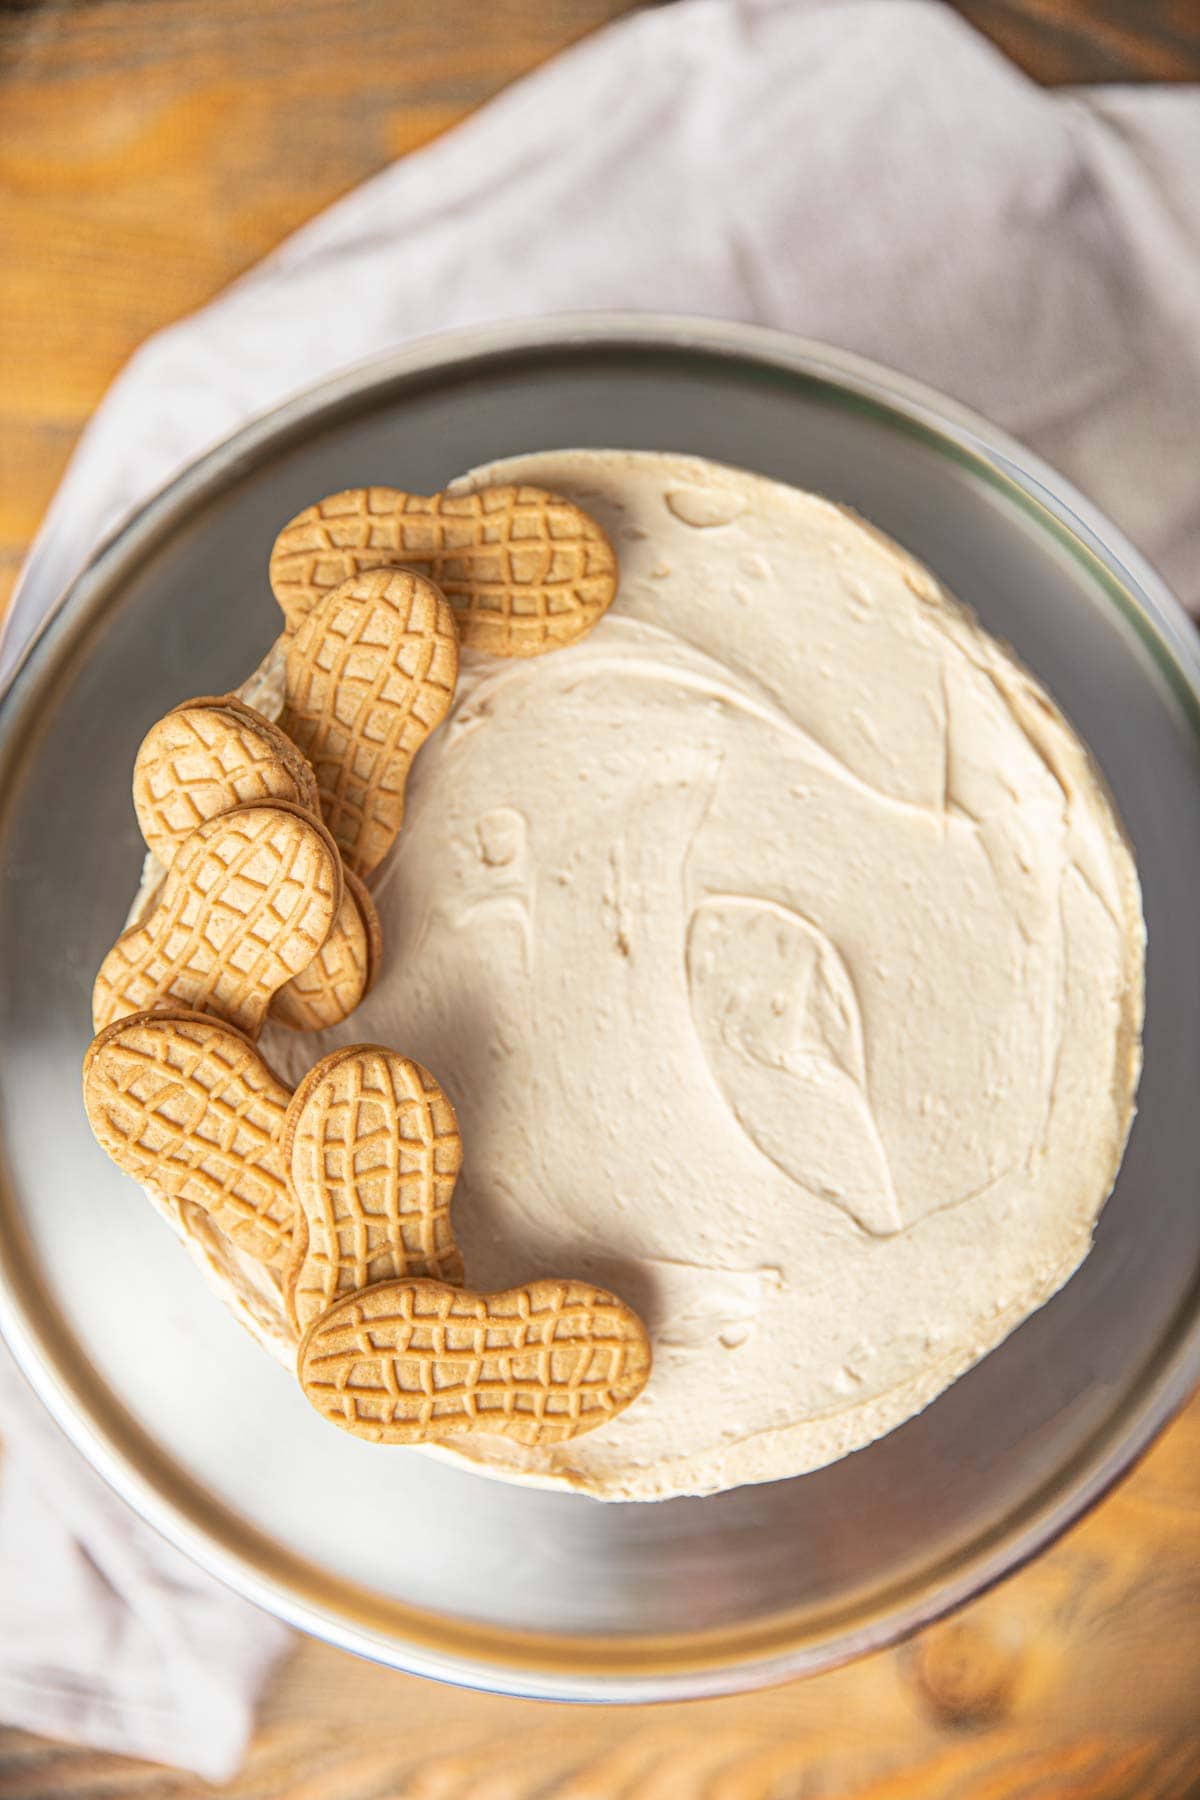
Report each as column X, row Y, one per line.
column 342, row 971
column 247, row 903
column 372, row 1150
column 409, row 1362
column 187, row 1104
column 212, row 754
column 370, row 918
column 369, row 674
column 209, row 755
column 524, row 570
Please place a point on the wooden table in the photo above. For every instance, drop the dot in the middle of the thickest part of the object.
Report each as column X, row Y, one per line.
column 149, row 151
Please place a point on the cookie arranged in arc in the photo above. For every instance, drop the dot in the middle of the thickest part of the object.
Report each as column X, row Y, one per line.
column 525, row 571
column 341, row 973
column 212, row 754
column 205, row 757
column 372, row 1150
column 247, row 903
column 344, row 1189
column 368, row 675
column 409, row 1362
column 187, row 1104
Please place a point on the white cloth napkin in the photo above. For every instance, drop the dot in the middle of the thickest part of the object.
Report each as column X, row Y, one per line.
column 868, row 172
column 108, row 1636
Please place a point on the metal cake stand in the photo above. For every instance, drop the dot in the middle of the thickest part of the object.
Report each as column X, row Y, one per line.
column 419, row 1564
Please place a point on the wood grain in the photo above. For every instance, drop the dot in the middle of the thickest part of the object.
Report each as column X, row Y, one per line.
column 1075, row 1680
column 1094, row 40
column 149, row 151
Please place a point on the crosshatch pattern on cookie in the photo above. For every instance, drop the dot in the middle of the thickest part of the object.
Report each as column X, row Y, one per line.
column 373, row 1152
column 204, row 758
column 368, row 676
column 525, row 571
column 247, row 903
column 406, row 1362
column 186, row 1104
column 340, row 973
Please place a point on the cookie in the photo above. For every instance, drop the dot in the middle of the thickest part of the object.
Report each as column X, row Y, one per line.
column 210, row 755
column 342, row 971
column 372, row 1150
column 524, row 570
column 368, row 675
column 204, row 758
column 247, row 903
column 410, row 1362
column 186, row 1104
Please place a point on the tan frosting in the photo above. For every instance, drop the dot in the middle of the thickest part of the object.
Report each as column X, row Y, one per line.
column 783, row 957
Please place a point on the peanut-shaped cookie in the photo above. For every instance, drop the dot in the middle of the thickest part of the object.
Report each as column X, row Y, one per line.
column 210, row 755
column 206, row 757
column 186, row 1103
column 343, row 971
column 247, row 903
column 372, row 1151
column 409, row 1362
column 524, row 570
column 369, row 674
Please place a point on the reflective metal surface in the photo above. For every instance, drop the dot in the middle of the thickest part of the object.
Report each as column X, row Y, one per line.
column 422, row 1565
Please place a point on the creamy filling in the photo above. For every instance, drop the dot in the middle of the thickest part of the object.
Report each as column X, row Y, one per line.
column 782, row 955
